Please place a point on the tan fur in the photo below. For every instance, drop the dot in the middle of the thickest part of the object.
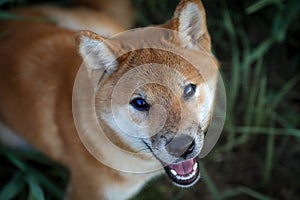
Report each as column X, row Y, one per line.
column 38, row 65
column 122, row 11
column 82, row 18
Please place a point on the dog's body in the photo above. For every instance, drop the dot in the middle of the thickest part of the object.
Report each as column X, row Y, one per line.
column 39, row 62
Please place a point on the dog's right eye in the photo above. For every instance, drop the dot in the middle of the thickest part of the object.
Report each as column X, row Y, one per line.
column 140, row 104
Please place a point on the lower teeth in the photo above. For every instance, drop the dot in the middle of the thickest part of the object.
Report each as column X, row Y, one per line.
column 184, row 178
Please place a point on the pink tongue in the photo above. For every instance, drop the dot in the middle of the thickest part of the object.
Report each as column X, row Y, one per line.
column 183, row 168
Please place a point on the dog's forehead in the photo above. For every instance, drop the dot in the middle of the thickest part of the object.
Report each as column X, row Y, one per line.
column 157, row 72
column 174, row 64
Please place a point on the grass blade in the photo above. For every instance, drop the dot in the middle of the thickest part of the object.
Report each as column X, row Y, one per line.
column 209, row 182
column 35, row 190
column 244, row 190
column 260, row 5
column 261, row 102
column 260, row 50
column 235, row 71
column 269, row 130
column 30, row 171
column 12, row 188
column 4, row 1
column 269, row 157
column 281, row 94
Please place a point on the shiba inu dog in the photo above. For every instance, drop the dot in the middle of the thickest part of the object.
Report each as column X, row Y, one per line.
column 163, row 110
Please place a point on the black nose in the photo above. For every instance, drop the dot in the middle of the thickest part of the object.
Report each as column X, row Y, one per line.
column 181, row 146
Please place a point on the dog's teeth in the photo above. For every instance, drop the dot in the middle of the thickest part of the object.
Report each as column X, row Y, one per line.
column 195, row 166
column 173, row 172
column 187, row 177
column 193, row 174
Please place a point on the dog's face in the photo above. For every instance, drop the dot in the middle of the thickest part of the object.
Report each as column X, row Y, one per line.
column 155, row 100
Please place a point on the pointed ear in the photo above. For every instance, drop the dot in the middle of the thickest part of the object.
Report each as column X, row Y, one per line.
column 190, row 20
column 96, row 54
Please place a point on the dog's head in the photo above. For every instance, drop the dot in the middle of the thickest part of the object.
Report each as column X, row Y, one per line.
column 154, row 99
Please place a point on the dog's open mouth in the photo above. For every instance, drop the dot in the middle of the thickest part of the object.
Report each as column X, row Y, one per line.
column 184, row 174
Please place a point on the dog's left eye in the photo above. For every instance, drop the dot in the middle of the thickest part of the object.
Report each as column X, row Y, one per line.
column 140, row 104
column 190, row 90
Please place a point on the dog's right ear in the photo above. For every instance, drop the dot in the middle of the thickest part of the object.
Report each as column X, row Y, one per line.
column 96, row 54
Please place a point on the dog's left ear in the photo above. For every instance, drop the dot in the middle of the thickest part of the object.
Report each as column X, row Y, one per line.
column 97, row 55
column 96, row 52
column 190, row 20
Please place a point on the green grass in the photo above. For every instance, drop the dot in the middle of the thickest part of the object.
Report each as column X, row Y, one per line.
column 257, row 157
column 32, row 175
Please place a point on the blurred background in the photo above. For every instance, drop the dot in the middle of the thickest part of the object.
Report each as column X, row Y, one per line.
column 258, row 154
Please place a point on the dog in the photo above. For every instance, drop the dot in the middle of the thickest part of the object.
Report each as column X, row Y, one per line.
column 159, row 125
